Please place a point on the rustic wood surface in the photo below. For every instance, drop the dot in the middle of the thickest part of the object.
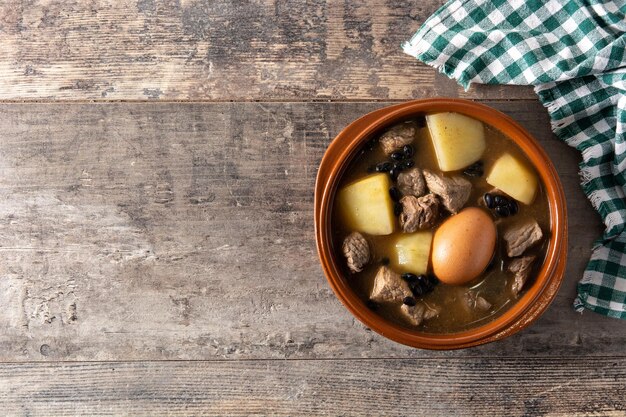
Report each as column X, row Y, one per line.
column 158, row 255
column 400, row 387
column 169, row 231
column 217, row 50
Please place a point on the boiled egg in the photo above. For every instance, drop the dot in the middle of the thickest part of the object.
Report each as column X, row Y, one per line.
column 463, row 246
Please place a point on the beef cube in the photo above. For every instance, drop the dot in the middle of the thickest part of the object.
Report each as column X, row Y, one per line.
column 453, row 191
column 389, row 287
column 520, row 267
column 520, row 237
column 412, row 182
column 418, row 213
column 431, row 312
column 418, row 313
column 414, row 314
column 357, row 251
column 399, row 135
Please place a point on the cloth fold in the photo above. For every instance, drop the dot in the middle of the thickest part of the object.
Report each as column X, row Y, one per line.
column 574, row 53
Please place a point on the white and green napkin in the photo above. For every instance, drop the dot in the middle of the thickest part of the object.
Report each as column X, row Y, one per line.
column 574, row 53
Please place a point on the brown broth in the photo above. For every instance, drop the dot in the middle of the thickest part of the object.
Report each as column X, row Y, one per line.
column 494, row 285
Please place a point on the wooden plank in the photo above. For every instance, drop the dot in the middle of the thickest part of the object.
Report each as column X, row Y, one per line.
column 185, row 231
column 428, row 387
column 217, row 50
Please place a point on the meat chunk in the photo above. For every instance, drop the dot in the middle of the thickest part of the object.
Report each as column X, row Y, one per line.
column 418, row 313
column 418, row 213
column 389, row 287
column 476, row 302
column 453, row 191
column 398, row 136
column 414, row 314
column 412, row 182
column 520, row 267
column 357, row 251
column 482, row 304
column 431, row 312
column 520, row 237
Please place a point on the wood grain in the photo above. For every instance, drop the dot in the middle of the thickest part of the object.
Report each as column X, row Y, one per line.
column 421, row 387
column 158, row 258
column 185, row 231
column 218, row 50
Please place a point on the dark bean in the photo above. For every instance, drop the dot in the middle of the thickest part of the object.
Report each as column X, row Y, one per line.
column 410, row 301
column 500, row 201
column 432, row 280
column 394, row 173
column 408, row 277
column 427, row 283
column 513, row 207
column 474, row 167
column 477, row 172
column 417, row 289
column 502, row 211
column 395, row 194
column 408, row 151
column 372, row 305
column 397, row 156
column 474, row 170
column 408, row 163
column 397, row 209
column 399, row 166
column 384, row 167
column 489, row 200
column 384, row 261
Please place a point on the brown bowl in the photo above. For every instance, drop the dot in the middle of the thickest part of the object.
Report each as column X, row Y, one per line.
column 536, row 298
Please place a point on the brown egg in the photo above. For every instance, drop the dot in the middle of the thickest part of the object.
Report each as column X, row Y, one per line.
column 463, row 246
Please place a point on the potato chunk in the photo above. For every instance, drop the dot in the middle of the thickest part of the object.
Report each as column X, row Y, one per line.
column 458, row 140
column 413, row 252
column 366, row 206
column 513, row 177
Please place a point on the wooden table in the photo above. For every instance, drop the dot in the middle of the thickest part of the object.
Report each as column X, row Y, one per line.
column 157, row 163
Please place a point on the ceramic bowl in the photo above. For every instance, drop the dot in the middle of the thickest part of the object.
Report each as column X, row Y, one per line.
column 528, row 307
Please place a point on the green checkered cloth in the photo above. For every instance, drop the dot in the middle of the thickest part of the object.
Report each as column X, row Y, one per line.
column 573, row 52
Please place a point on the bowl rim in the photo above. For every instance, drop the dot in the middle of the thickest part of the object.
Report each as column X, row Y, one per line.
column 526, row 309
